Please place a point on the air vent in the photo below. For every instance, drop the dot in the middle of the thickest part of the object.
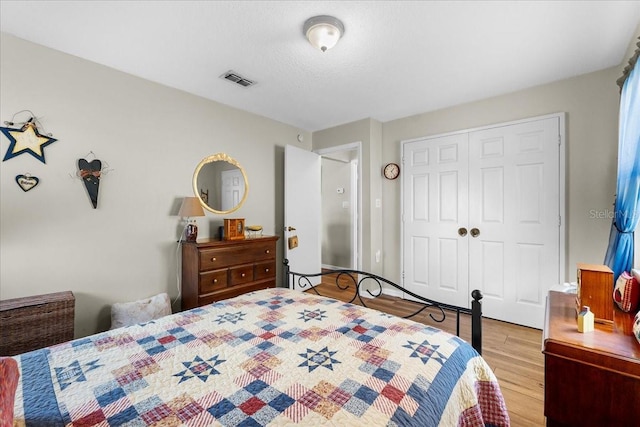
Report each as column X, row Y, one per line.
column 234, row 77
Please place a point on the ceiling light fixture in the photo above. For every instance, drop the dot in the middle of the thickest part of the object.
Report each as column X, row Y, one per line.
column 323, row 31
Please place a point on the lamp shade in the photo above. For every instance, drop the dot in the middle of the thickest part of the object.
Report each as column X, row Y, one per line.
column 323, row 31
column 191, row 207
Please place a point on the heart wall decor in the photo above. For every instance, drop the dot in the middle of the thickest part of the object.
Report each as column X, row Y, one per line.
column 27, row 182
column 90, row 172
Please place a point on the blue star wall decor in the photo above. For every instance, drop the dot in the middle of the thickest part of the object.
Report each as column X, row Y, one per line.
column 26, row 140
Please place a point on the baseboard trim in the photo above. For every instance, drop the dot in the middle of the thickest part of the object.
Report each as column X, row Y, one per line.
column 392, row 292
column 333, row 267
column 385, row 290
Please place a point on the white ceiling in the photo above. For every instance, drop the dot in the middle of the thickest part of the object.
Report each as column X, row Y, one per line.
column 396, row 59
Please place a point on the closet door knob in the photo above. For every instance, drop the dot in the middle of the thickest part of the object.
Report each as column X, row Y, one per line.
column 462, row 231
column 475, row 232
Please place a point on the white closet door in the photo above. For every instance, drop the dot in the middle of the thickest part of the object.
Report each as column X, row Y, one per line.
column 514, row 205
column 501, row 185
column 435, row 206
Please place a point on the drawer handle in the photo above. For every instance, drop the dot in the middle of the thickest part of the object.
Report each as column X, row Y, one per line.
column 213, row 259
column 266, row 270
column 215, row 280
column 242, row 275
column 267, row 251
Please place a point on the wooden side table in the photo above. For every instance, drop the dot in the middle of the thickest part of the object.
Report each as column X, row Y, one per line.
column 591, row 379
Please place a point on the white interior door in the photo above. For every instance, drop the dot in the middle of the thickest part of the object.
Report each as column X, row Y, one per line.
column 435, row 198
column 502, row 186
column 302, row 207
column 514, row 206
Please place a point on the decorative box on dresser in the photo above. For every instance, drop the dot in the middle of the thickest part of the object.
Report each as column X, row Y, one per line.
column 595, row 287
column 591, row 379
column 213, row 270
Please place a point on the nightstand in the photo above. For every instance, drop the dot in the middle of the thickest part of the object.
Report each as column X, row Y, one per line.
column 593, row 378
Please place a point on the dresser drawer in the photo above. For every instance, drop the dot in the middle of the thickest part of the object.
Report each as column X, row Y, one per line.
column 241, row 274
column 220, row 257
column 213, row 270
column 265, row 270
column 215, row 280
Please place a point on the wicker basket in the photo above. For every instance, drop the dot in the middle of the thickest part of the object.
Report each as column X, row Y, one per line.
column 35, row 322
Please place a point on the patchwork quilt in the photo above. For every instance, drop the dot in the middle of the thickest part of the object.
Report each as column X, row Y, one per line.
column 273, row 357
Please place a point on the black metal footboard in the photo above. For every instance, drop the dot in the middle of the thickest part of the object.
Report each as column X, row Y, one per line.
column 359, row 278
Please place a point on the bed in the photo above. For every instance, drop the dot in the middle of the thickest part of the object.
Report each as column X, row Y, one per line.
column 271, row 357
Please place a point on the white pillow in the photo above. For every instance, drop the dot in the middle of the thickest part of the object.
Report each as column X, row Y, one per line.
column 144, row 310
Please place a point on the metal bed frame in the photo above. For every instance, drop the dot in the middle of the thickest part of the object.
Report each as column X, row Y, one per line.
column 359, row 278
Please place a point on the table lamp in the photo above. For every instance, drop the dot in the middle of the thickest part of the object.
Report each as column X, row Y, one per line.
column 191, row 208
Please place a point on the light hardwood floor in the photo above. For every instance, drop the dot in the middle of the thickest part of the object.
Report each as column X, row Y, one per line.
column 513, row 352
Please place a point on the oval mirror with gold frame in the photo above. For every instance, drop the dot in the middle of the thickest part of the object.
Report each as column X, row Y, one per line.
column 220, row 184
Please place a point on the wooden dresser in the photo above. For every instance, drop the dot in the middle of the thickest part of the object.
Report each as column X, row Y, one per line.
column 591, row 379
column 214, row 270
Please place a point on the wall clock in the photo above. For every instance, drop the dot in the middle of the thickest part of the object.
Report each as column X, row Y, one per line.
column 391, row 171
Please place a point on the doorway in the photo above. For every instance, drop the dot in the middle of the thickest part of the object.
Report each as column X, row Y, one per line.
column 341, row 207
